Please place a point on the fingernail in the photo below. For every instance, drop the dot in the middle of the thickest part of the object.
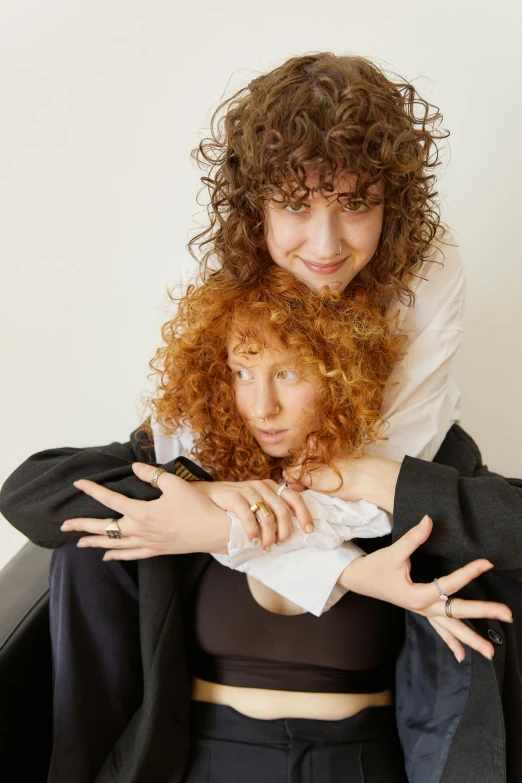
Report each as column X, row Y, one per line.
column 509, row 620
column 309, row 528
column 268, row 549
column 75, row 483
column 80, row 543
column 489, row 656
column 255, row 541
column 460, row 658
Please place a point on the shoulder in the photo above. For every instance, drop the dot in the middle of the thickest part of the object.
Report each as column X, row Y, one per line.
column 442, row 273
column 439, row 288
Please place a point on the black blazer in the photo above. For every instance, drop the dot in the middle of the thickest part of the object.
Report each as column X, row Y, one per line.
column 449, row 714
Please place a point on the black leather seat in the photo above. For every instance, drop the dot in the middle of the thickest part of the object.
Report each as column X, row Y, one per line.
column 25, row 667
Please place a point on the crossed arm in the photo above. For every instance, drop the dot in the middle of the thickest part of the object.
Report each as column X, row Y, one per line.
column 40, row 496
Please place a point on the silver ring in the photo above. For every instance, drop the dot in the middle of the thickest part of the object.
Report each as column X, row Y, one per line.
column 339, row 250
column 282, row 488
column 113, row 529
column 155, row 476
column 442, row 594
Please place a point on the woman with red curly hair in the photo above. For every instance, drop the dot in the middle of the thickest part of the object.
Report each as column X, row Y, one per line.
column 266, row 376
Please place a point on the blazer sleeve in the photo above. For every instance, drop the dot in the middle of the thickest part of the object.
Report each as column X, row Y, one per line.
column 40, row 495
column 473, row 516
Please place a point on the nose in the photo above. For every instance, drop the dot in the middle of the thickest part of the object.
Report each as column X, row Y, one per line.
column 324, row 236
column 265, row 403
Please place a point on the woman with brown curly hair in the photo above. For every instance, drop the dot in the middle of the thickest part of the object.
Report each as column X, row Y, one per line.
column 325, row 167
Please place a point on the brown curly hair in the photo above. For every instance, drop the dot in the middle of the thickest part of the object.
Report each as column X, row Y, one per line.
column 341, row 341
column 339, row 116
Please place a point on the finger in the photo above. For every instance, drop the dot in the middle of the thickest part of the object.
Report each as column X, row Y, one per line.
column 284, row 523
column 412, row 540
column 458, row 579
column 89, row 525
column 104, row 542
column 113, row 500
column 241, row 508
column 468, row 610
column 299, row 509
column 455, row 646
column 138, row 553
column 467, row 635
column 145, row 473
column 267, row 525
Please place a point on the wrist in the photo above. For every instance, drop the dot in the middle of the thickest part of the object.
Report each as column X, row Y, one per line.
column 375, row 480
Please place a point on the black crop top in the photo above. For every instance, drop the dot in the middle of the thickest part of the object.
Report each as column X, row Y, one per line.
column 349, row 649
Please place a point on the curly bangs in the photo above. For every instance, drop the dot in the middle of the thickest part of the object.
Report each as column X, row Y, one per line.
column 342, row 119
column 341, row 342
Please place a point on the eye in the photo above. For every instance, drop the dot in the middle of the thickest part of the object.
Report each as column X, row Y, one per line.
column 241, row 375
column 296, row 209
column 287, row 375
column 356, row 206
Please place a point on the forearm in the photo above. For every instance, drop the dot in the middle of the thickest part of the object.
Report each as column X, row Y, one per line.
column 478, row 516
column 40, row 494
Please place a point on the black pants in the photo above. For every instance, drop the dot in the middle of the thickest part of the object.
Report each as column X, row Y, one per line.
column 96, row 660
column 229, row 747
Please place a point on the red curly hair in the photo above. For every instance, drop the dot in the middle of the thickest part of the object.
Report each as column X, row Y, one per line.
column 338, row 116
column 341, row 341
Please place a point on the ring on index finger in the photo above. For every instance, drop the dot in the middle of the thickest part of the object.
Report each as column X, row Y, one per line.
column 442, row 594
column 155, row 476
column 262, row 507
column 447, row 607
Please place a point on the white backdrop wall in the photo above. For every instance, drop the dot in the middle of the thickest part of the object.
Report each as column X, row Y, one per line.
column 100, row 105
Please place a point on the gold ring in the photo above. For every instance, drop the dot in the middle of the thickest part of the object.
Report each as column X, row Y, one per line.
column 113, row 529
column 155, row 476
column 261, row 506
column 447, row 608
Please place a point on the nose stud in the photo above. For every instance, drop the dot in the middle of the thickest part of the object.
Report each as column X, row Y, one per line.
column 339, row 250
column 277, row 409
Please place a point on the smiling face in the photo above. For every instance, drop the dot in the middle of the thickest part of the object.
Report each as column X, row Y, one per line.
column 279, row 408
column 306, row 239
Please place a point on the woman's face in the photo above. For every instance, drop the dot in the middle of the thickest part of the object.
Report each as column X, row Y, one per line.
column 268, row 388
column 306, row 239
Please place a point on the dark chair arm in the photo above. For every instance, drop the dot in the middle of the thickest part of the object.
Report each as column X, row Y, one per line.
column 25, row 666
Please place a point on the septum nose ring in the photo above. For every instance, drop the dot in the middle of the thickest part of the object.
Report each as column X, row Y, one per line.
column 265, row 419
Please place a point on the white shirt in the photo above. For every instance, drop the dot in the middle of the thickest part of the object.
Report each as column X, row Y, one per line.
column 420, row 405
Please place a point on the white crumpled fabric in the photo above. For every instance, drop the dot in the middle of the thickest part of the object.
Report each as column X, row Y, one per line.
column 293, row 568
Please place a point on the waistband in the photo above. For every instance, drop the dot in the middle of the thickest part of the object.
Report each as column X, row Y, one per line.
column 217, row 721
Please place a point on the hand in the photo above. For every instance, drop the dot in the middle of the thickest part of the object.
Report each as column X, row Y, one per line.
column 181, row 520
column 385, row 575
column 364, row 478
column 238, row 496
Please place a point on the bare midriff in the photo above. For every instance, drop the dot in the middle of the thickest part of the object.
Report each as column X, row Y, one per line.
column 270, row 705
column 267, row 704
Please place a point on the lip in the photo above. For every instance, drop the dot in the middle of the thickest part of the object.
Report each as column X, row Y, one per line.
column 323, row 269
column 271, row 436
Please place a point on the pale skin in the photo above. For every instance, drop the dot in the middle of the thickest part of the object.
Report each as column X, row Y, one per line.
column 307, row 244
